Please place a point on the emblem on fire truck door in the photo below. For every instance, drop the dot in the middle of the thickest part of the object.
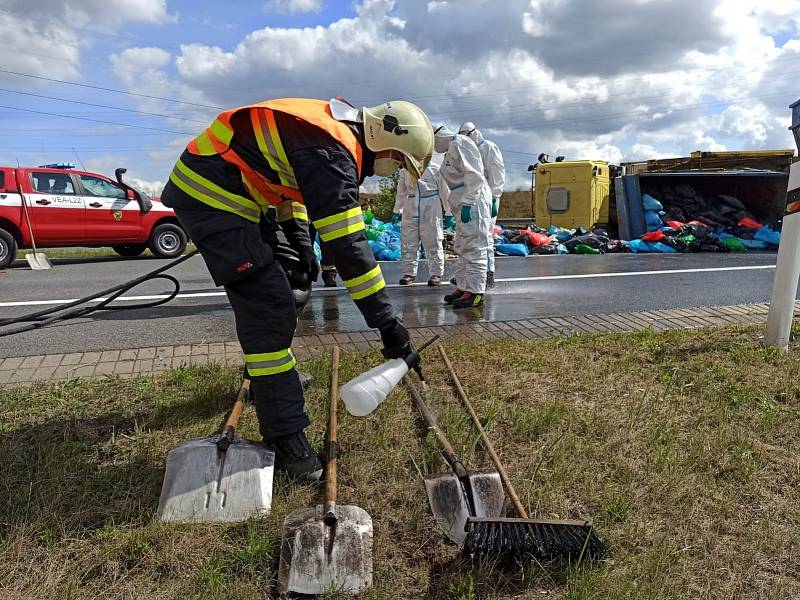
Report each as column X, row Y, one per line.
column 117, row 215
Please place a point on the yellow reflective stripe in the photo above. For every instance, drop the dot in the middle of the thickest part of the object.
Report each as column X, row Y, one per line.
column 340, row 224
column 204, row 145
column 299, row 211
column 269, row 363
column 365, row 285
column 266, row 135
column 284, row 210
column 221, row 131
column 206, row 191
column 281, row 154
column 288, row 210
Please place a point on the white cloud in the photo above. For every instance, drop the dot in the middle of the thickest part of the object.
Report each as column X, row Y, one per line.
column 46, row 37
column 294, row 6
column 615, row 81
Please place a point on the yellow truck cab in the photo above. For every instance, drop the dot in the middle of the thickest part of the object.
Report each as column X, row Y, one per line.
column 573, row 193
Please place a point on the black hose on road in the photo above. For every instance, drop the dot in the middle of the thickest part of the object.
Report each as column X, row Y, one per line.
column 62, row 312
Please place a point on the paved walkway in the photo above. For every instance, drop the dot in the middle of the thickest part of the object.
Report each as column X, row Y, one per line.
column 139, row 361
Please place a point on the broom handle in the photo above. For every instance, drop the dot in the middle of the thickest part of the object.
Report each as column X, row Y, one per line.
column 447, row 450
column 485, row 438
column 228, row 431
column 329, row 498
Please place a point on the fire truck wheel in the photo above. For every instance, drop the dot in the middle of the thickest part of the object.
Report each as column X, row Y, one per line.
column 167, row 241
column 8, row 248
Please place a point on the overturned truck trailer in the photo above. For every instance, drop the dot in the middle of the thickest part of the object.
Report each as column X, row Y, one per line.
column 702, row 187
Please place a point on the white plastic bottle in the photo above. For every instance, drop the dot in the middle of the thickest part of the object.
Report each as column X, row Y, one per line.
column 363, row 394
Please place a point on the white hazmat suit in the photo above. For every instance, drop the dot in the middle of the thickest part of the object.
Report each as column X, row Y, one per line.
column 493, row 169
column 469, row 197
column 421, row 208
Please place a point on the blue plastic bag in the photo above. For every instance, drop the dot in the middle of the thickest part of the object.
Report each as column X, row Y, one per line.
column 663, row 248
column 755, row 244
column 652, row 220
column 562, row 249
column 512, row 249
column 317, row 251
column 768, row 235
column 382, row 252
column 639, row 246
column 650, row 203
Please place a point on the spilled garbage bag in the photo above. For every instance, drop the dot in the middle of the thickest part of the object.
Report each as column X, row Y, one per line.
column 750, row 223
column 768, row 235
column 383, row 252
column 512, row 249
column 651, row 204
column 551, row 248
column 652, row 220
column 654, row 236
column 734, row 244
column 754, row 244
column 584, row 249
column 639, row 246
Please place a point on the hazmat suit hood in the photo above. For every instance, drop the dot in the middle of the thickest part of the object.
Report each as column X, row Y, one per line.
column 441, row 138
column 468, row 128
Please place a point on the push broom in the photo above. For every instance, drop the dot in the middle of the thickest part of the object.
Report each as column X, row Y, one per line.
column 522, row 536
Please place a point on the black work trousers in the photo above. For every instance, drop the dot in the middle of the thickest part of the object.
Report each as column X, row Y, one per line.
column 264, row 307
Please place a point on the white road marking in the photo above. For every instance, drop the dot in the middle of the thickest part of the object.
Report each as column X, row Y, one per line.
column 420, row 284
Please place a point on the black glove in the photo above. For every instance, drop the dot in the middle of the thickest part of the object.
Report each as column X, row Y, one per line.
column 309, row 262
column 396, row 342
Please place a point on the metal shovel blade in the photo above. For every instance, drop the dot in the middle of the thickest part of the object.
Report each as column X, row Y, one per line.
column 316, row 558
column 38, row 261
column 204, row 485
column 448, row 500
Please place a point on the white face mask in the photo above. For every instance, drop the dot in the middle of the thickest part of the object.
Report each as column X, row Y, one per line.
column 441, row 141
column 386, row 166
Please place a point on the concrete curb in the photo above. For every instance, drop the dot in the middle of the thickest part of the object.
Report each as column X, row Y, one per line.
column 142, row 361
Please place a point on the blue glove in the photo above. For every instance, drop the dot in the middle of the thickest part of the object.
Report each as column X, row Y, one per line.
column 466, row 213
column 395, row 218
column 449, row 222
column 495, row 206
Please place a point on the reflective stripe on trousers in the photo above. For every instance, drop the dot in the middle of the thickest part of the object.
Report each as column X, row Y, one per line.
column 269, row 363
column 340, row 224
column 365, row 285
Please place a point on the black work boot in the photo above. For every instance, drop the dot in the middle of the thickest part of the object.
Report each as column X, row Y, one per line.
column 329, row 278
column 467, row 300
column 295, row 457
column 455, row 294
column 489, row 279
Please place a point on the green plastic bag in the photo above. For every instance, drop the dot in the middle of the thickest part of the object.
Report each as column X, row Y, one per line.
column 584, row 249
column 368, row 216
column 734, row 244
column 372, row 233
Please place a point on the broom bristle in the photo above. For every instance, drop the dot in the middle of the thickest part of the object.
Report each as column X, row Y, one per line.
column 544, row 540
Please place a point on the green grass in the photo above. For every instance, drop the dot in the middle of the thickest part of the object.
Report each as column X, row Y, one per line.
column 75, row 253
column 682, row 447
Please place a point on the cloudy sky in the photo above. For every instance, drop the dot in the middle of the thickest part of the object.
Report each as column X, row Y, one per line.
column 127, row 82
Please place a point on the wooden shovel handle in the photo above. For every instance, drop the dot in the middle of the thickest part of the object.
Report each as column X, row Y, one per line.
column 447, row 450
column 485, row 438
column 232, row 422
column 330, row 466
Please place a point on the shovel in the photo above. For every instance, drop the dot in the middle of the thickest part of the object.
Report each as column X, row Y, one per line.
column 38, row 260
column 218, row 479
column 455, row 497
column 327, row 548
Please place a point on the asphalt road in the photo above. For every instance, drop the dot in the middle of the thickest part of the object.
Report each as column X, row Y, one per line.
column 539, row 286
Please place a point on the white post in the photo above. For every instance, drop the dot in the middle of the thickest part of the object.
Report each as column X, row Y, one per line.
column 787, row 272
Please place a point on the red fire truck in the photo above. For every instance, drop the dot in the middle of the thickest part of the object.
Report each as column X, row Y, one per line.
column 60, row 206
